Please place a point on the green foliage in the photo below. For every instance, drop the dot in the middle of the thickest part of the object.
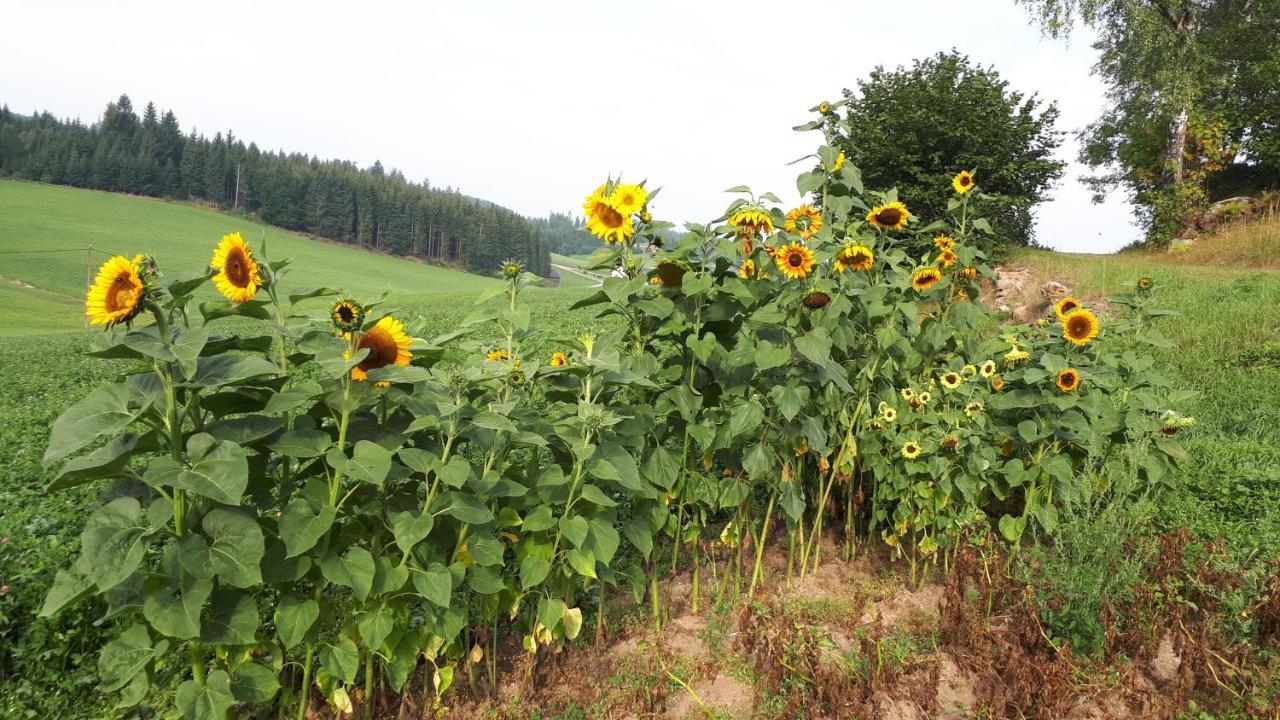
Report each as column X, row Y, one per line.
column 914, row 128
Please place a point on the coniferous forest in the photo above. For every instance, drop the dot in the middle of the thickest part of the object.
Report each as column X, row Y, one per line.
column 373, row 208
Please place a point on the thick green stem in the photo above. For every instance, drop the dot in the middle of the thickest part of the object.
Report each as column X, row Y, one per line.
column 306, row 683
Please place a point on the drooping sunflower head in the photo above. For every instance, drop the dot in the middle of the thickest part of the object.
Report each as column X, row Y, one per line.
column 950, row 380
column 347, row 315
column 747, row 270
column 628, row 199
column 804, row 221
column 1064, row 306
column 752, row 220
column 388, row 345
column 969, row 273
column 893, row 216
column 925, row 278
column 794, row 260
column 962, row 182
column 1068, row 380
column 235, row 271
column 911, row 450
column 854, row 257
column 969, row 371
column 498, row 354
column 972, row 409
column 947, row 258
column 949, row 443
column 1016, row 355
column 672, row 272
column 988, row 369
column 817, row 300
column 1079, row 327
column 117, row 292
column 944, row 242
column 1144, row 284
column 559, row 359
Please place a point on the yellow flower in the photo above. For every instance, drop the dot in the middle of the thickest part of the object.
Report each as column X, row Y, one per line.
column 794, row 260
column 1016, row 355
column 950, row 380
column 925, row 278
column 911, row 450
column 1065, row 306
column 1068, row 380
column 1080, row 326
column 116, row 293
column 835, row 167
column 893, row 216
column 347, row 315
column 498, row 354
column 747, row 270
column 908, row 394
column 888, row 414
column 1144, row 283
column 559, row 359
column 388, row 345
column 969, row 273
column 751, row 220
column 237, row 274
column 962, row 182
column 804, row 220
column 628, row 199
column 997, row 383
column 972, row 408
column 655, row 280
column 824, row 107
column 854, row 257
column 968, row 371
column 988, row 369
column 605, row 222
column 944, row 242
column 925, row 398
column 947, row 258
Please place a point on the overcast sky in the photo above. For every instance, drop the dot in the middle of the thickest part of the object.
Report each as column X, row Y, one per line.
column 531, row 104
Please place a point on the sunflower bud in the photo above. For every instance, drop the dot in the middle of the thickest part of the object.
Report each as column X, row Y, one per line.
column 816, row 300
column 512, row 269
column 347, row 315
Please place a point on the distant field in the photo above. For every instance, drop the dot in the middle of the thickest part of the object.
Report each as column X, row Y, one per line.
column 37, row 217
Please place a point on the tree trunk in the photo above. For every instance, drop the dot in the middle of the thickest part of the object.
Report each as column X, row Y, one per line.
column 1177, row 143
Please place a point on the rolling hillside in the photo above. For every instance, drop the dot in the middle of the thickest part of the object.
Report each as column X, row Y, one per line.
column 46, row 230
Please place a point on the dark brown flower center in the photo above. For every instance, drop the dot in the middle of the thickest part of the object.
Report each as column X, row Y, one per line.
column 121, row 294
column 345, row 313
column 1078, row 327
column 611, row 218
column 382, row 349
column 795, row 260
column 889, row 216
column 965, row 180
column 236, row 268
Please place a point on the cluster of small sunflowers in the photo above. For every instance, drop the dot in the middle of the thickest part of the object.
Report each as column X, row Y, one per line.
column 612, row 211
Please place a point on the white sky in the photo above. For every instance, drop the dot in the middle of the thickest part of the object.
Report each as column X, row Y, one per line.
column 531, row 104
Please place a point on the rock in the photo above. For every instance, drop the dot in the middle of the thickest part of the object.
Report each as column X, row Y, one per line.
column 1029, row 313
column 1010, row 285
column 1054, row 290
column 1167, row 662
column 955, row 698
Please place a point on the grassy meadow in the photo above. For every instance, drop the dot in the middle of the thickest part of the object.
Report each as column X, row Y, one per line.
column 1226, row 349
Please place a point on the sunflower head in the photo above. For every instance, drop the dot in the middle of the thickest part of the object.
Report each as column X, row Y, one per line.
column 607, row 223
column 235, row 271
column 512, row 269
column 893, row 216
column 559, row 359
column 972, row 409
column 387, row 344
column 1080, row 327
column 117, row 293
column 997, row 383
column 925, row 278
column 888, row 414
column 988, row 369
column 498, row 354
column 751, row 220
column 824, row 107
column 747, row 270
column 816, row 300
column 347, row 315
column 1016, row 355
column 962, row 183
column 1064, row 306
column 950, row 380
column 947, row 258
column 671, row 272
column 949, row 443
column 804, row 221
column 628, row 199
column 1068, row 380
column 854, row 257
column 794, row 260
column 944, row 242
column 1144, row 284
column 969, row 273
column 911, row 450
column 969, row 371
column 908, row 394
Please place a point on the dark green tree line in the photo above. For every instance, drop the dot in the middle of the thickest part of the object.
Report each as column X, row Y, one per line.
column 374, row 208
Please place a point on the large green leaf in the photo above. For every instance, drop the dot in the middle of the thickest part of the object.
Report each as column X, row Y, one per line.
column 341, row 660
column 409, row 528
column 302, row 443
column 353, row 570
column 237, row 546
column 113, row 541
column 253, row 682
column 68, row 586
column 220, row 370
column 176, row 614
column 125, row 657
column 209, row 701
column 435, row 584
column 104, row 411
column 467, row 509
column 219, row 470
column 232, row 619
column 294, row 617
column 301, row 527
column 376, row 625
column 104, row 462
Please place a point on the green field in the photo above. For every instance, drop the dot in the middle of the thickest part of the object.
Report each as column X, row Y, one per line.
column 45, row 231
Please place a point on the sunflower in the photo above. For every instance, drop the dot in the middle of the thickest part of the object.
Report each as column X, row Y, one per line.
column 944, row 242
column 559, row 359
column 804, row 220
column 655, row 280
column 498, row 354
column 824, row 107
column 997, row 383
column 969, row 273
column 1068, row 380
column 962, row 182
column 908, row 394
column 347, row 315
column 924, row 398
column 1144, row 283
column 116, row 294
column 949, row 443
column 988, row 369
column 925, row 278
column 794, row 260
column 950, row 380
column 888, row 414
column 1065, row 306
column 911, row 450
column 1016, row 355
column 511, row 269
column 835, row 167
column 751, row 220
column 605, row 221
column 817, row 300
column 388, row 345
column 947, row 258
column 747, row 270
column 969, row 371
column 628, row 199
column 893, row 216
column 972, row 409
column 1080, row 326
column 854, row 257
column 237, row 274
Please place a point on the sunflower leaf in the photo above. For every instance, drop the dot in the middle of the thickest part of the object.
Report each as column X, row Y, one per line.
column 102, row 412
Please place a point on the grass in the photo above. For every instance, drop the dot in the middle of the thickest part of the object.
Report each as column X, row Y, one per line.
column 45, row 230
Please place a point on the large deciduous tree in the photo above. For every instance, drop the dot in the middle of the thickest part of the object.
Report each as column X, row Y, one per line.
column 914, row 128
